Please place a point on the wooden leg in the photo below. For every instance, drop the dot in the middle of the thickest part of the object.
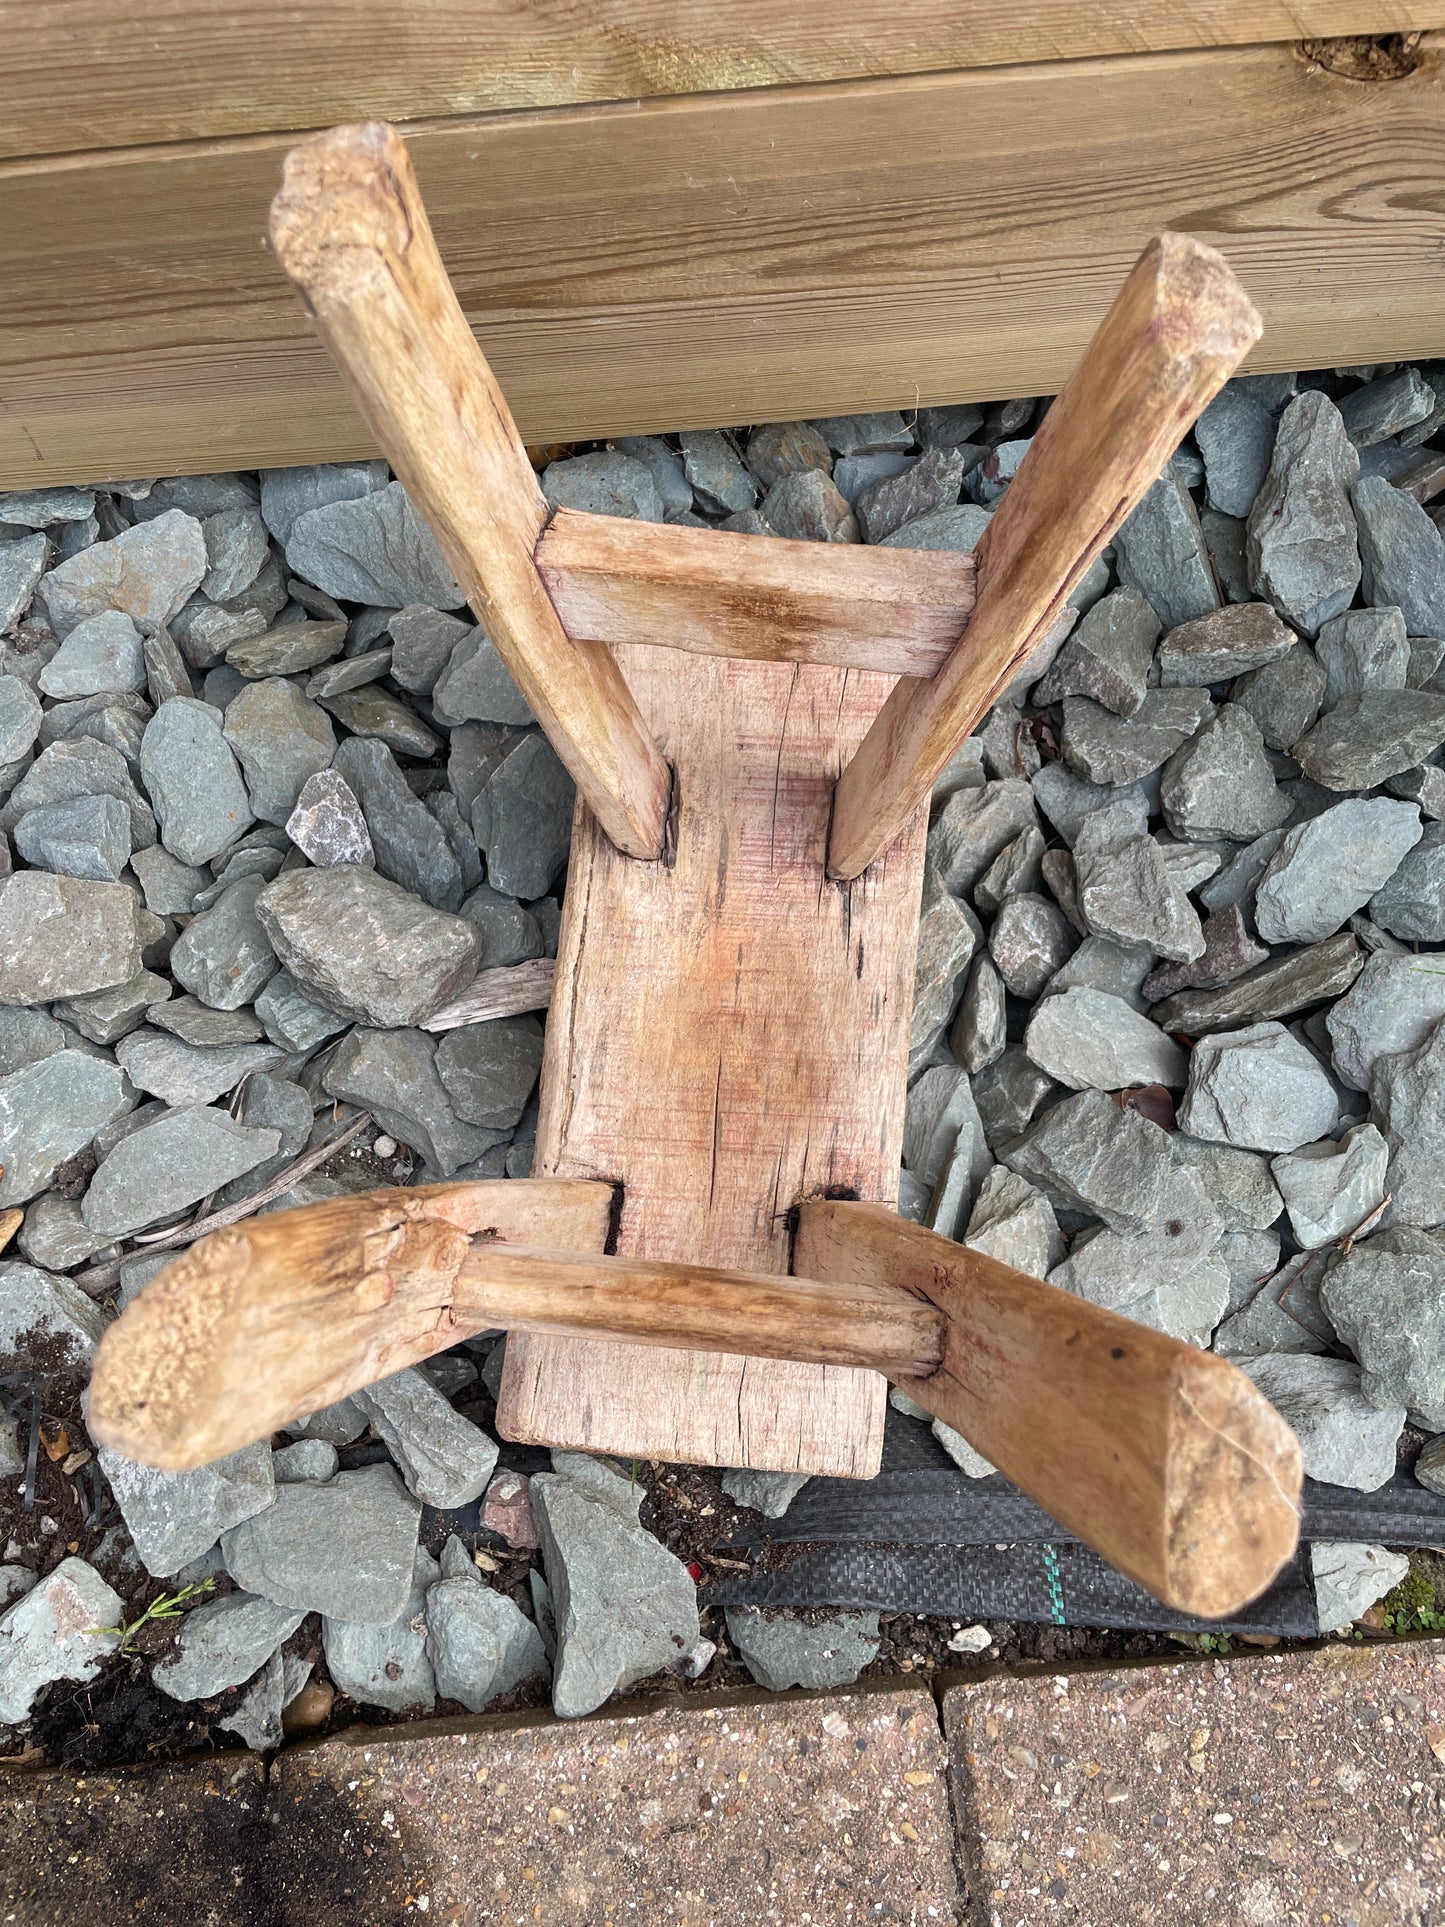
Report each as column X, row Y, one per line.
column 1165, row 1459
column 1177, row 330
column 350, row 229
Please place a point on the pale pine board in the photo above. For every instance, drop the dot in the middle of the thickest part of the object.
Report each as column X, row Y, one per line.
column 728, row 1036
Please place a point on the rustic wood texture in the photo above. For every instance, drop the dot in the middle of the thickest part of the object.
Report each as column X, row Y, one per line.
column 351, row 231
column 728, row 1035
column 506, row 991
column 81, row 74
column 1177, row 330
column 898, row 611
column 1165, row 1459
column 730, row 258
column 322, row 1300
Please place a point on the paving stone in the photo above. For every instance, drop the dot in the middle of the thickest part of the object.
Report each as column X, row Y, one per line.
column 166, row 1165
column 101, row 656
column 1167, row 1278
column 32, row 1300
column 786, row 448
column 1412, row 903
column 980, row 1030
column 49, row 1110
column 1393, row 1005
column 86, row 837
column 1329, row 1188
column 957, row 529
column 1347, row 1439
column 346, row 1549
column 1107, row 657
column 1221, row 784
column 1126, row 892
column 1236, row 439
column 147, row 573
column 1121, row 1766
column 1403, row 556
column 522, row 820
column 371, row 548
column 1329, row 867
column 948, row 935
column 780, row 1651
column 715, row 473
column 445, row 1460
column 1030, row 939
column 974, row 826
column 193, row 782
column 64, row 936
column 1258, row 1088
column 362, row 946
column 624, row 1606
column 393, row 1074
column 1365, row 739
column 387, row 1666
column 1301, row 543
column 1088, row 1040
column 1160, row 552
column 291, row 1019
column 1108, row 749
column 50, row 1634
column 175, row 1517
column 222, row 1643
column 1015, row 1223
column 1090, row 1155
column 1407, row 1099
column 1363, row 649
column 770, row 1493
column 281, row 739
column 475, row 685
column 223, row 956
column 410, row 846
column 932, row 482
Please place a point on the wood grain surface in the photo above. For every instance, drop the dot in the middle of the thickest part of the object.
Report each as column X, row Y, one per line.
column 728, row 1036
column 80, row 73
column 733, row 257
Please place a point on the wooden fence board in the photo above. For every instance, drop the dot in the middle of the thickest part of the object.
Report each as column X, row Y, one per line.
column 727, row 258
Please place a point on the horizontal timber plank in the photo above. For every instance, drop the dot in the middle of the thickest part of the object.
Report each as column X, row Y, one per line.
column 714, row 593
column 729, row 258
column 81, row 73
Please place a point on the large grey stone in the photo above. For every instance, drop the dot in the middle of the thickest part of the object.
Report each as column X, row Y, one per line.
column 1403, row 555
column 1259, row 1088
column 1393, row 1005
column 1107, row 657
column 509, row 932
column 713, row 469
column 1221, row 784
column 605, row 482
column 1089, row 1040
column 236, row 547
column 164, row 1166
column 101, row 656
column 77, row 768
column 1126, row 892
column 1368, row 738
column 480, row 1642
column 1328, row 867
column 146, row 572
column 66, row 936
column 948, row 935
column 1412, row 903
column 26, row 1035
column 1346, row 1438
column 1015, row 1223
column 1106, row 748
column 223, row 956
column 1284, row 697
column 1387, row 1301
column 193, row 782
column 522, row 819
column 1090, row 1155
column 1363, row 649
column 1229, row 951
column 409, row 844
column 54, row 1236
column 932, row 482
column 171, row 887
column 1237, row 1183
column 1284, row 985
column 346, row 1549
column 974, row 826
column 1386, row 406
column 1236, row 439
column 287, row 493
column 22, row 564
column 20, row 718
column 783, row 448
column 781, row 1651
column 117, row 720
column 624, row 1606
column 371, row 548
column 980, row 1030
column 182, row 1074
column 476, row 686
column 387, row 1665
column 281, row 740
column 1218, row 647
column 1009, row 1093
column 1329, row 1188
column 490, row 1069
column 956, row 529
column 1030, row 939
column 1350, row 1578
column 358, row 944
column 1284, row 1315
column 36, row 1301
column 51, row 1633
column 50, row 1110
column 1160, row 552
column 393, row 1074
column 175, row 1517
column 1407, row 1097
column 86, row 837
column 445, row 1459
column 1099, row 963
column 222, row 1643
column 291, row 1019
column 288, row 649
column 674, row 491
column 423, row 640
column 940, row 1105
column 1301, row 544
column 1167, row 1278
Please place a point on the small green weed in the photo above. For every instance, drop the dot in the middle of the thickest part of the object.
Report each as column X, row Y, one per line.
column 170, row 1605
column 1214, row 1643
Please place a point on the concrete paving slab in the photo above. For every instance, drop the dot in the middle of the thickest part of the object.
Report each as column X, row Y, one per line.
column 1273, row 1788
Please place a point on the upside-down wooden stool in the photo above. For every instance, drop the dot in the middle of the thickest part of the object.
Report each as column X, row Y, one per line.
column 753, row 726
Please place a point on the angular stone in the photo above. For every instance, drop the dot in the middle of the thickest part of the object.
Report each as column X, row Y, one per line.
column 786, row 448
column 222, row 1643
column 445, row 1460
column 604, row 482
column 372, row 548
column 107, row 1015
column 1251, row 1258
column 947, row 427
column 1014, row 1223
column 306, row 1459
column 780, row 1651
column 1403, row 555
column 1346, row 1438
column 1301, row 543
column 181, row 1075
column 940, row 1105
column 1412, row 903
column 66, row 936
column 22, row 563
column 475, row 685
column 980, row 1030
column 52, row 1632
column 1237, row 1183
column 1030, row 939
column 863, row 434
column 101, row 656
column 1107, row 657
column 1167, row 1278
column 354, row 672
column 54, row 1237
column 1384, row 407
column 86, row 837
column 1407, row 1096
column 1126, row 892
column 363, row 947
column 522, row 820
column 490, row 1069
column 1368, row 738
column 807, row 507
column 193, row 782
column 1221, row 783
column 1276, row 989
column 68, row 770
column 931, row 483
column 770, row 1493
column 40, row 508
column 423, row 640
column 1258, row 1088
column 236, row 547
column 854, row 473
column 290, row 1018
column 170, row 886
column 674, row 491
column 287, row 493
column 393, row 1074
column 281, row 740
column 624, row 1606
column 1362, row 649
column 327, row 825
column 1396, row 1001
column 175, row 1517
column 26, row 1036
column 1327, row 868
column 1090, row 1155
column 223, row 956
column 1430, row 1466
column 1229, row 951
column 1330, row 1188
column 948, row 935
column 988, row 479
column 1236, row 438
column 340, row 1424
column 1284, row 697
column 1283, row 1316
column 974, row 826
column 1088, row 1040
column 49, row 1110
column 346, row 1548
column 481, row 1644
column 35, row 1302
column 1008, row 1094
column 714, row 471
column 387, row 1666
column 1106, row 748
column 1160, row 552
column 20, row 718
column 1350, row 1578
column 957, row 529
column 1117, row 969
column 1221, row 646
column 166, row 1165
column 410, row 846
column 116, row 720
column 147, row 573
